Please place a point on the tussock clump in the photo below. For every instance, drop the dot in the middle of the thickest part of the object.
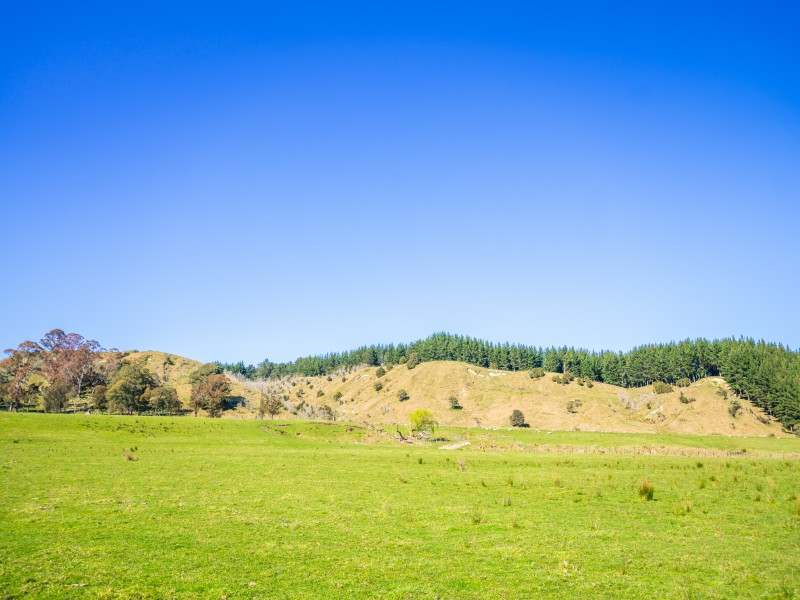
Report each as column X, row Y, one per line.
column 646, row 490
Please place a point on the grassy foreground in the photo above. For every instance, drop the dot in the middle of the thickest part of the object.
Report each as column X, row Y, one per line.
column 248, row 509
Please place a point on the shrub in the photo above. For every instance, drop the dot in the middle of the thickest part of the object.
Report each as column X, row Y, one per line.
column 589, row 383
column 422, row 420
column 337, row 396
column 378, row 386
column 517, row 419
column 537, row 373
column 683, row 382
column 646, row 490
column 685, row 399
column 380, row 372
column 402, row 395
column 734, row 407
column 413, row 361
column 320, row 393
column 659, row 387
column 579, row 381
column 454, row 403
column 723, row 393
column 573, row 405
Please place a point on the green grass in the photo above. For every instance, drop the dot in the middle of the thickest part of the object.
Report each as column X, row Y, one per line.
column 246, row 509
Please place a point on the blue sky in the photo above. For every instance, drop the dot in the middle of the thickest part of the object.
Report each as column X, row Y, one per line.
column 281, row 179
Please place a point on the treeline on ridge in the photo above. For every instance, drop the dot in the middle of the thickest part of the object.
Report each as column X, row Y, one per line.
column 767, row 374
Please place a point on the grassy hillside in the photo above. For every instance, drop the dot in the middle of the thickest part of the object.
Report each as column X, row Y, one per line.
column 139, row 507
column 175, row 371
column 487, row 398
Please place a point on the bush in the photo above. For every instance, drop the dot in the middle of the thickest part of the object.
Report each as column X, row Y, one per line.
column 722, row 393
column 337, row 396
column 413, row 361
column 537, row 373
column 734, row 407
column 517, row 419
column 646, row 490
column 454, row 403
column 659, row 387
column 589, row 383
column 320, row 393
column 378, row 386
column 380, row 372
column 683, row 382
column 422, row 420
column 402, row 395
column 685, row 399
column 573, row 405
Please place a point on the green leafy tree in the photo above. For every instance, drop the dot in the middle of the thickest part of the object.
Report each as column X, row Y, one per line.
column 423, row 420
column 125, row 394
column 165, row 400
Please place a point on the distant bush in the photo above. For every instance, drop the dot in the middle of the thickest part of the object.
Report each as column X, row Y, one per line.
column 330, row 378
column 589, row 383
column 683, row 382
column 564, row 378
column 326, row 412
column 337, row 396
column 659, row 387
column 646, row 490
column 722, row 393
column 402, row 360
column 537, row 373
column 573, row 405
column 378, row 386
column 517, row 419
column 685, row 399
column 454, row 403
column 320, row 393
column 734, row 407
column 413, row 361
column 402, row 395
column 380, row 372
column 579, row 381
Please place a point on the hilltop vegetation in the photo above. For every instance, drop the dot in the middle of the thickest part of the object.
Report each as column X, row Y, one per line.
column 766, row 374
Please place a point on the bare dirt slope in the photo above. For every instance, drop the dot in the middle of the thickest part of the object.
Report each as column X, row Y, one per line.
column 487, row 398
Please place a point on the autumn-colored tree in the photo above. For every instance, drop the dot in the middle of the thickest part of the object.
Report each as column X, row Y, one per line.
column 17, row 371
column 210, row 393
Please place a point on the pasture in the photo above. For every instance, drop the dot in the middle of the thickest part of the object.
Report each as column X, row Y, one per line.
column 147, row 507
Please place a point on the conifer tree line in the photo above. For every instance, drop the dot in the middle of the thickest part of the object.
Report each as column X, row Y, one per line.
column 767, row 374
column 65, row 372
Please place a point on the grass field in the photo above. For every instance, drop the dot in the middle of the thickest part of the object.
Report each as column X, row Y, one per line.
column 126, row 507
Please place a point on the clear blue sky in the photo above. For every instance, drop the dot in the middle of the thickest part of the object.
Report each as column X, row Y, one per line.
column 282, row 179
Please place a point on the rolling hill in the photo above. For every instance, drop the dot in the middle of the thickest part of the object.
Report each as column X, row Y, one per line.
column 487, row 398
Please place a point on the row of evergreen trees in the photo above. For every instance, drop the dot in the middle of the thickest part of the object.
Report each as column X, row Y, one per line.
column 765, row 373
